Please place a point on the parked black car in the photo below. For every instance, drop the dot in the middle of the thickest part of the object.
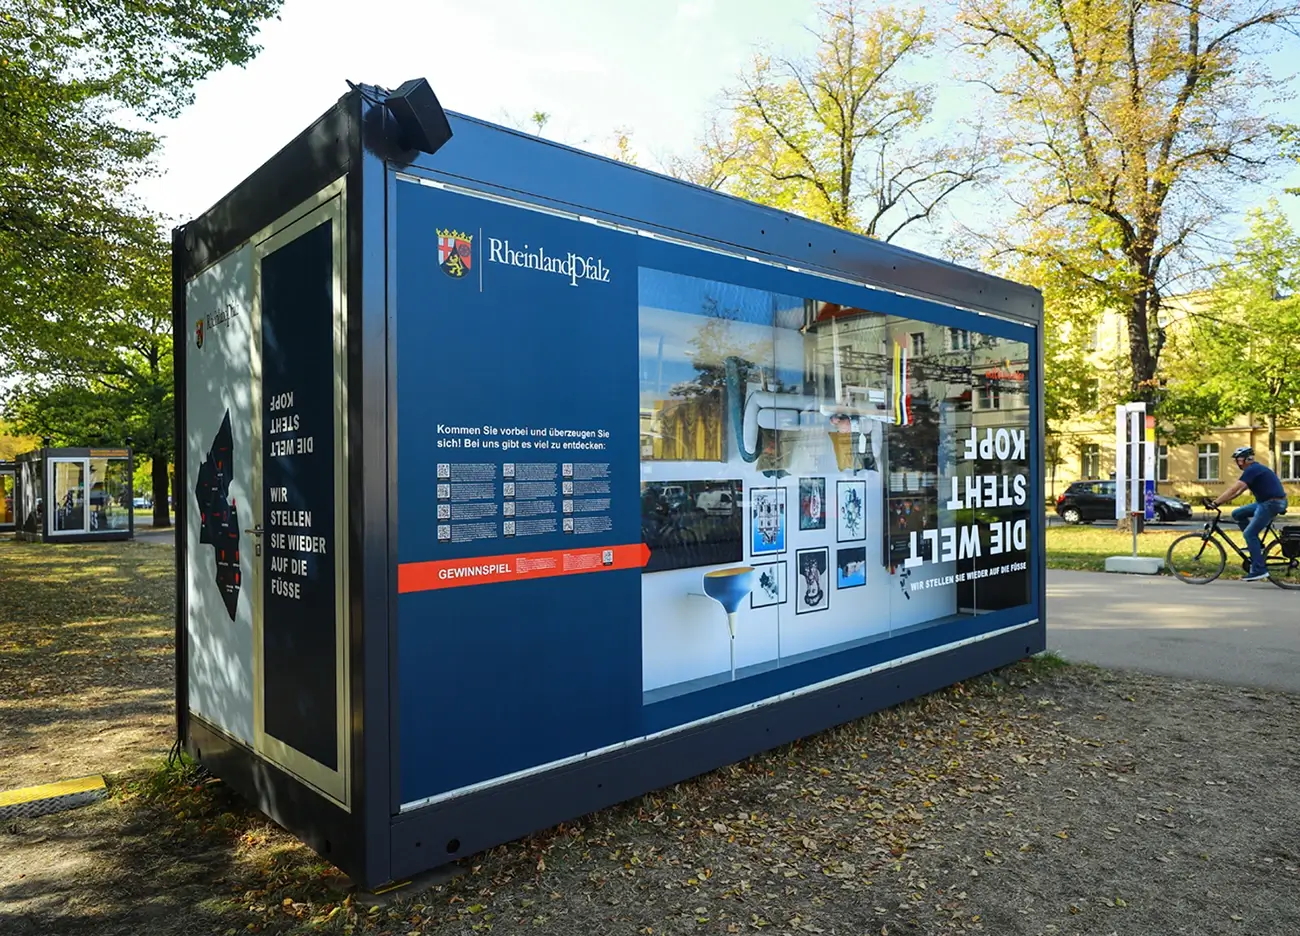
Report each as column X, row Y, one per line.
column 1086, row 501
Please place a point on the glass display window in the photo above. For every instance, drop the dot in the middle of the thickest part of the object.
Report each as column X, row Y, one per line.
column 8, row 491
column 68, row 496
column 878, row 464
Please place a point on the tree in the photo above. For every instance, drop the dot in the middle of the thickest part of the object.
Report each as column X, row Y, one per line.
column 72, row 76
column 1243, row 347
column 621, row 146
column 101, row 374
column 13, row 444
column 77, row 80
column 1072, row 387
column 837, row 136
column 1130, row 123
column 1288, row 137
column 722, row 151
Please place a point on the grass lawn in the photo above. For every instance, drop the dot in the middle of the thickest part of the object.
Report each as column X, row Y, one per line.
column 86, row 635
column 1086, row 547
column 1035, row 799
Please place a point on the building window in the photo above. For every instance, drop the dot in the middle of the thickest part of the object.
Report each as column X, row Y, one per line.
column 1094, row 337
column 1162, row 463
column 1290, row 457
column 1091, row 460
column 1092, row 393
column 1207, row 461
column 958, row 339
column 988, row 395
column 918, row 344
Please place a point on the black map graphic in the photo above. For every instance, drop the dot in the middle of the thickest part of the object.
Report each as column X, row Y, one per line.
column 218, row 516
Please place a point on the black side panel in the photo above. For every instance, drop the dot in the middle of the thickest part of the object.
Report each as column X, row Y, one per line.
column 180, row 331
column 328, row 830
column 445, row 831
column 299, row 618
column 368, row 481
column 330, row 147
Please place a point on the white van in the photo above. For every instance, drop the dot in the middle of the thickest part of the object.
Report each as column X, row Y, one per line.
column 716, row 503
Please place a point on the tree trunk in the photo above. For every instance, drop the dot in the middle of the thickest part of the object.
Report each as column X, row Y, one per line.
column 1141, row 360
column 1272, row 441
column 161, row 511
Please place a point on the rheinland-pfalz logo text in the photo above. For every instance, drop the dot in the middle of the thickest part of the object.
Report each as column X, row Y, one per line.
column 456, row 257
column 214, row 320
column 572, row 266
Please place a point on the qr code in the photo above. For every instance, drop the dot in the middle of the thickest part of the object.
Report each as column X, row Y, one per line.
column 568, row 524
column 607, row 557
column 508, row 508
column 508, row 489
column 444, row 491
column 568, row 487
column 444, row 532
column 508, row 470
column 567, row 470
column 444, row 471
column 509, row 528
column 568, row 506
column 444, row 511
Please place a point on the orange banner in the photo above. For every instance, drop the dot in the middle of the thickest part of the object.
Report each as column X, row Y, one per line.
column 514, row 567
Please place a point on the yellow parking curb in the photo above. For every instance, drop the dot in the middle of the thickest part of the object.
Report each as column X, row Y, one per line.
column 29, row 802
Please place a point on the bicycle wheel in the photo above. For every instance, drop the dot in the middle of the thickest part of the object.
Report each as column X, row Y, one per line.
column 1196, row 559
column 1282, row 572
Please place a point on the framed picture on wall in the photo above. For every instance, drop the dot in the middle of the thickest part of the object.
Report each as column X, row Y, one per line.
column 812, row 585
column 769, row 585
column 850, row 567
column 812, row 503
column 767, row 521
column 850, row 511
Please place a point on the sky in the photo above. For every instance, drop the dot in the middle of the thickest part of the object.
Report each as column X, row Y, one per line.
column 594, row 65
column 655, row 67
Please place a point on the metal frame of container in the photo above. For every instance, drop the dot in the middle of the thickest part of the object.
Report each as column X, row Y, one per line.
column 350, row 147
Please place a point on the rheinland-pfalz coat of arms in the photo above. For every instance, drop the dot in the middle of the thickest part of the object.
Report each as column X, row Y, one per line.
column 198, row 333
column 455, row 252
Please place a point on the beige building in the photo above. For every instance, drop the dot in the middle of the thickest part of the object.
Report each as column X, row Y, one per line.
column 1084, row 448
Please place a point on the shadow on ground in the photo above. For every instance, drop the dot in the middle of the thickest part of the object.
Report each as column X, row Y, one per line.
column 86, row 659
column 1035, row 800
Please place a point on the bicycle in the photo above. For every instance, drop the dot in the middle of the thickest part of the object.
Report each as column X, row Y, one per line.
column 1191, row 559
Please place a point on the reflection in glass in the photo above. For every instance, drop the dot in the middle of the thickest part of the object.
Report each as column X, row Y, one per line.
column 7, row 505
column 833, row 434
column 691, row 523
column 110, row 495
column 690, row 330
column 956, row 498
column 69, row 507
column 33, row 500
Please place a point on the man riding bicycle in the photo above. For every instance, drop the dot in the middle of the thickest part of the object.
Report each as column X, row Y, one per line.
column 1270, row 500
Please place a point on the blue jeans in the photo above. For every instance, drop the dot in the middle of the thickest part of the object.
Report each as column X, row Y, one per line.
column 1253, row 518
